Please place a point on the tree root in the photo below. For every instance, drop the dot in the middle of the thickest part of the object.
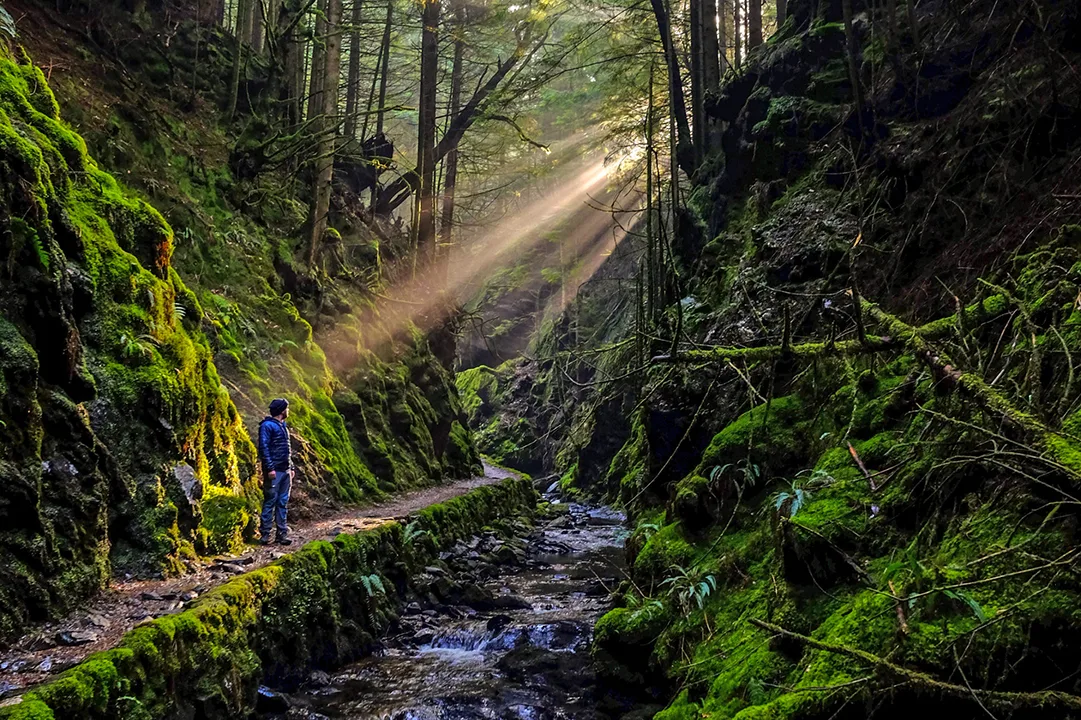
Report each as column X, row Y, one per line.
column 1046, row 699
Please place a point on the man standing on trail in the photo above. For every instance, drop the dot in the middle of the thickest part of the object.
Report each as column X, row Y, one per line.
column 276, row 457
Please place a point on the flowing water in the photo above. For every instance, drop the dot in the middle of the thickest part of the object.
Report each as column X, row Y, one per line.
column 524, row 657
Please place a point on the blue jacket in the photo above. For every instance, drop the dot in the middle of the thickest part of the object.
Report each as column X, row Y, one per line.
column 274, row 450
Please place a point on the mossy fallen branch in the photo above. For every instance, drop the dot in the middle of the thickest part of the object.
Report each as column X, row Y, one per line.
column 1046, row 699
column 772, row 352
column 1062, row 451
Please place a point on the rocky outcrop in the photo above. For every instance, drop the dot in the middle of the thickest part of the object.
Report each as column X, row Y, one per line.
column 122, row 445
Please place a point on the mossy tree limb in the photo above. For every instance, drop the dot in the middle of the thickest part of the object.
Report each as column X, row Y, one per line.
column 1046, row 699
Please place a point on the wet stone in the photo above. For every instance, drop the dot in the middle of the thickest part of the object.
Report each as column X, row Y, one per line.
column 269, row 701
column 511, row 644
column 74, row 638
column 318, row 679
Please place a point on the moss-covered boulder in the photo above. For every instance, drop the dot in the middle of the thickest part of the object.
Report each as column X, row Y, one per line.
column 106, row 389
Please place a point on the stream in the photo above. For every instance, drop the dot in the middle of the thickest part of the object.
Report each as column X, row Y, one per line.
column 505, row 634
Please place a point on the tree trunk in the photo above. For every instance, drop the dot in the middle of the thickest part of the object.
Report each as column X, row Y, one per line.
column 319, row 61
column 246, row 19
column 698, row 112
column 722, row 33
column 242, row 12
column 685, row 147
column 711, row 66
column 258, row 31
column 737, row 33
column 446, row 222
column 292, row 65
column 711, row 69
column 429, row 78
column 328, row 125
column 754, row 24
column 782, row 12
column 407, row 183
column 651, row 304
column 913, row 23
column 853, row 59
column 397, row 192
column 352, row 90
column 385, row 72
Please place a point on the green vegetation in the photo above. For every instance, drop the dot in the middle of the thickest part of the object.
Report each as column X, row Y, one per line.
column 327, row 602
column 138, row 360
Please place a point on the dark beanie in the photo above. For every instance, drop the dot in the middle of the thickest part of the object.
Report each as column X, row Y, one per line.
column 277, row 406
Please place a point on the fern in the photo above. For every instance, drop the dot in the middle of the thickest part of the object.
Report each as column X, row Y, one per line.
column 39, row 250
column 373, row 585
column 7, row 25
column 180, row 311
column 690, row 588
column 413, row 532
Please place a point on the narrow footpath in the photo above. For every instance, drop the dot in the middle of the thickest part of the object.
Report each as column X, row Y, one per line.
column 53, row 647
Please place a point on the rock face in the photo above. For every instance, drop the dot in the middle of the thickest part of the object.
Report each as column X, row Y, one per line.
column 121, row 448
column 102, row 382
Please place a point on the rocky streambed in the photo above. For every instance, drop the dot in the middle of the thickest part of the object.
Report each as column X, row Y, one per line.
column 500, row 629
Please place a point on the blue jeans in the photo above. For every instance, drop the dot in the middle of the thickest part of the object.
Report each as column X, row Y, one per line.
column 276, row 503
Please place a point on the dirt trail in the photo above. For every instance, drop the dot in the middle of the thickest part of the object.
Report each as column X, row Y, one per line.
column 101, row 622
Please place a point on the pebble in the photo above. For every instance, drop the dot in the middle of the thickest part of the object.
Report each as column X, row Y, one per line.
column 45, row 665
column 151, row 596
column 98, row 621
column 73, row 638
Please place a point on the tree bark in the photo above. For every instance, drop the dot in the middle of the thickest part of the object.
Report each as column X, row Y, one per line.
column 429, row 79
column 242, row 12
column 291, row 61
column 754, row 24
column 317, row 77
column 352, row 90
column 446, row 221
column 853, row 55
column 737, row 34
column 385, row 73
column 913, row 23
column 328, row 125
column 651, row 304
column 711, row 70
column 698, row 113
column 782, row 12
column 258, row 30
column 685, row 147
column 722, row 33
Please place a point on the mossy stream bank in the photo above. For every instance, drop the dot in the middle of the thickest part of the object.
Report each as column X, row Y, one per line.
column 321, row 607
column 502, row 632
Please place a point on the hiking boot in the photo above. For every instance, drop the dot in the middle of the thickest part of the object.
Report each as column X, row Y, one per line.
column 284, row 541
column 264, row 541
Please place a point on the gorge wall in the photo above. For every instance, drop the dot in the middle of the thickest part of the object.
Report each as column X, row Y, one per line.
column 143, row 333
column 850, row 441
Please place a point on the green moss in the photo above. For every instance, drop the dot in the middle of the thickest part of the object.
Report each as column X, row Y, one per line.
column 307, row 607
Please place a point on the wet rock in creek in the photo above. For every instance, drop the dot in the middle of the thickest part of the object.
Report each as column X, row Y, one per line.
column 269, row 701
